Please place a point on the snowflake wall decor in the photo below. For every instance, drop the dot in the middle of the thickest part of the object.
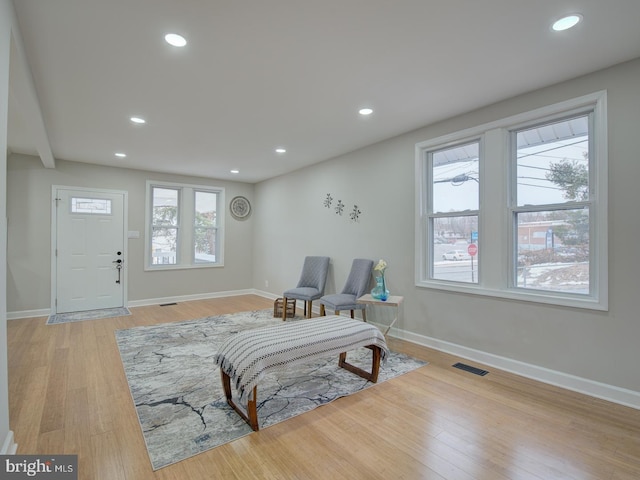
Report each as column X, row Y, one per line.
column 339, row 208
column 355, row 213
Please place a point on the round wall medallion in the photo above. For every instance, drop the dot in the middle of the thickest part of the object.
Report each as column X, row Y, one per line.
column 240, row 207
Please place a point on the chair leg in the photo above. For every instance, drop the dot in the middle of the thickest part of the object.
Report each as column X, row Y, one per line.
column 364, row 314
column 352, row 314
column 322, row 312
column 308, row 310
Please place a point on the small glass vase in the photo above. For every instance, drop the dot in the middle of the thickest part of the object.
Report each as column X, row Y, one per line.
column 380, row 291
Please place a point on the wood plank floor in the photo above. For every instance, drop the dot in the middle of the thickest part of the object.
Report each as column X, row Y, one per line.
column 68, row 394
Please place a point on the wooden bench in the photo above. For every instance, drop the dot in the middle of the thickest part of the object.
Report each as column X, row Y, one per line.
column 245, row 357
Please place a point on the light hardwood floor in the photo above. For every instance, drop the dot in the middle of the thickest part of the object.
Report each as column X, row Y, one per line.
column 68, row 394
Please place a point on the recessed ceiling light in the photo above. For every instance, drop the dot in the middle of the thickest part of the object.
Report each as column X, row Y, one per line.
column 567, row 22
column 138, row 120
column 175, row 39
column 365, row 111
column 120, row 155
column 235, row 171
column 281, row 150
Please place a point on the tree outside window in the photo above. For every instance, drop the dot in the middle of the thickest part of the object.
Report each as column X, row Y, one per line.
column 552, row 212
column 531, row 191
column 185, row 225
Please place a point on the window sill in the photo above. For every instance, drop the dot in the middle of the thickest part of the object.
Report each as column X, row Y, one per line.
column 546, row 298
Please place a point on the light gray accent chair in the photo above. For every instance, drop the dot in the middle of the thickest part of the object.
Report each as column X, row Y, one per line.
column 311, row 284
column 357, row 285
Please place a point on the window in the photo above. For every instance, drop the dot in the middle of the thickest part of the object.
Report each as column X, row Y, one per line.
column 552, row 204
column 205, row 231
column 92, row 206
column 518, row 208
column 185, row 226
column 164, row 228
column 453, row 213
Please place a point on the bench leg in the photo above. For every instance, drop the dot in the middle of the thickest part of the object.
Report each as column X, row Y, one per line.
column 375, row 365
column 251, row 417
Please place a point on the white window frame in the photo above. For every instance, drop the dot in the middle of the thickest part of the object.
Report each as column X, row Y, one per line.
column 432, row 216
column 185, row 255
column 495, row 220
column 215, row 228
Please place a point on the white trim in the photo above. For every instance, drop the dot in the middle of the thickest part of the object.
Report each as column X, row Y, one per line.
column 497, row 283
column 9, row 447
column 125, row 239
column 515, row 120
column 185, row 228
column 592, row 388
column 611, row 393
column 43, row 312
column 189, row 298
column 262, row 293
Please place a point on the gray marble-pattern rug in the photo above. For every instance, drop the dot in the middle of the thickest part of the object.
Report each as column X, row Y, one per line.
column 87, row 315
column 178, row 394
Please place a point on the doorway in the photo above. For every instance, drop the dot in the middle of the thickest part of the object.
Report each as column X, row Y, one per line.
column 89, row 249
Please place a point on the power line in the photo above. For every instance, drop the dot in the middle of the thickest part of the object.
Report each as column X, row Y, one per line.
column 537, row 186
column 551, row 149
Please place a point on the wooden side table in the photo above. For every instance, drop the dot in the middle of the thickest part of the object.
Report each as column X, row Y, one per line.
column 392, row 301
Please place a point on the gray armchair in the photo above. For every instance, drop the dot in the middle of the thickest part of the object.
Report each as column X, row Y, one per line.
column 311, row 284
column 357, row 285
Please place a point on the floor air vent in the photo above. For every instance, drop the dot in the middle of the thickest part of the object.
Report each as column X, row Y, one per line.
column 469, row 368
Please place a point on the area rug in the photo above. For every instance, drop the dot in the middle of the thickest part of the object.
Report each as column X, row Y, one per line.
column 178, row 394
column 87, row 315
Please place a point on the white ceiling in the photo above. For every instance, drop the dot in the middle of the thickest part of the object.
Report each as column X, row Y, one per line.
column 260, row 74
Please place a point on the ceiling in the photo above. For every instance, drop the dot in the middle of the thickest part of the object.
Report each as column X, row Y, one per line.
column 257, row 75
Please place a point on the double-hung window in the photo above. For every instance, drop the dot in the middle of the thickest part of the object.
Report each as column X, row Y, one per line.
column 518, row 208
column 552, row 204
column 185, row 226
column 452, row 218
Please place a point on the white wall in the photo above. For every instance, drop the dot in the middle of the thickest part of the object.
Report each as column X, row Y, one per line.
column 29, row 212
column 289, row 221
column 7, row 20
column 567, row 344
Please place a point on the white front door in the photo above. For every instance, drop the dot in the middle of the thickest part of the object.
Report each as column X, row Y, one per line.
column 89, row 249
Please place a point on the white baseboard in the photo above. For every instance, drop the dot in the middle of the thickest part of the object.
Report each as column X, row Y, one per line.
column 43, row 312
column 264, row 294
column 188, row 298
column 622, row 396
column 9, row 447
column 149, row 301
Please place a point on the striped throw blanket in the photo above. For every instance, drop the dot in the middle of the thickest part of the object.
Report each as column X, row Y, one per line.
column 247, row 356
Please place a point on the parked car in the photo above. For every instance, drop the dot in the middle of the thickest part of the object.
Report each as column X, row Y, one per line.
column 455, row 255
